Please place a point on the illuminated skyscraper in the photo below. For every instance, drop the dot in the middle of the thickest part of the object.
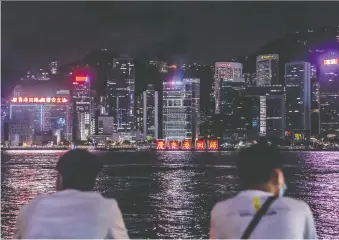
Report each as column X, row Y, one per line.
column 269, row 110
column 267, row 70
column 225, row 71
column 150, row 107
column 120, row 94
column 181, row 109
column 298, row 95
column 315, row 102
column 329, row 95
column 82, row 108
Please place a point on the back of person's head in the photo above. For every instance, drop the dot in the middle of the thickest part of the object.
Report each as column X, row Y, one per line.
column 78, row 170
column 256, row 164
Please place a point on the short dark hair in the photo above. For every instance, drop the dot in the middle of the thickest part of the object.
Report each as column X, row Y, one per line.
column 79, row 169
column 256, row 163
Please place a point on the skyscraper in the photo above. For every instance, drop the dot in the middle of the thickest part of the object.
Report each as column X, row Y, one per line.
column 82, row 108
column 315, row 102
column 329, row 94
column 225, row 71
column 120, row 94
column 298, row 95
column 181, row 109
column 267, row 70
column 269, row 110
column 150, row 108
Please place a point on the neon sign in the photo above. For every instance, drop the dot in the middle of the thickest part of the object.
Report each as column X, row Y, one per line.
column 80, row 78
column 160, row 145
column 186, row 145
column 331, row 61
column 39, row 100
column 213, row 144
column 173, row 145
column 200, row 145
column 267, row 57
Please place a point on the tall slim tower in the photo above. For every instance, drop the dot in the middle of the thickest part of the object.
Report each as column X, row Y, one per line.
column 82, row 108
column 329, row 94
column 298, row 95
column 120, row 94
column 267, row 70
column 150, row 108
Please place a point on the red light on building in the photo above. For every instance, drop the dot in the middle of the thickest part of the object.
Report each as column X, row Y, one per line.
column 331, row 61
column 173, row 66
column 39, row 100
column 186, row 145
column 213, row 144
column 200, row 145
column 80, row 78
column 160, row 145
column 173, row 145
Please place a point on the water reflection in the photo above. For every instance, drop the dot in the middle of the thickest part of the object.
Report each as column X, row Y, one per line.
column 170, row 194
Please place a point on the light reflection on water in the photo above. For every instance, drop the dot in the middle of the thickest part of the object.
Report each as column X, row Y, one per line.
column 170, row 194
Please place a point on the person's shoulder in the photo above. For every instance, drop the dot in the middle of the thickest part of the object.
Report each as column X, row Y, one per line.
column 222, row 205
column 295, row 204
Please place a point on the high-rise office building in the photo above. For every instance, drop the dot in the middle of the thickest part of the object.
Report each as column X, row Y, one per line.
column 225, row 71
column 105, row 125
column 329, row 94
column 267, row 70
column 82, row 108
column 298, row 95
column 315, row 102
column 149, row 106
column 181, row 109
column 120, row 94
column 269, row 110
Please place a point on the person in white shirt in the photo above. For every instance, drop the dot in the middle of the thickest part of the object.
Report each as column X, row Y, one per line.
column 260, row 171
column 74, row 211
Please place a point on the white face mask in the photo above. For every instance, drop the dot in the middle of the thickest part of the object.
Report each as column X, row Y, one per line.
column 282, row 190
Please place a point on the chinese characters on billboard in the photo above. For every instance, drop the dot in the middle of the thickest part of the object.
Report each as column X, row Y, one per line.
column 39, row 100
column 331, row 61
column 213, row 145
column 173, row 145
column 186, row 145
column 160, row 145
column 80, row 78
column 200, row 145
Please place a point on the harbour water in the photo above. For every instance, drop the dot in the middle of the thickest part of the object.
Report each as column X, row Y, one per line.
column 170, row 194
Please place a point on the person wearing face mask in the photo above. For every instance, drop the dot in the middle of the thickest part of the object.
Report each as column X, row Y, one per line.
column 260, row 210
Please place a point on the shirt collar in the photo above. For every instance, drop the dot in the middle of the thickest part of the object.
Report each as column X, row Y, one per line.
column 253, row 193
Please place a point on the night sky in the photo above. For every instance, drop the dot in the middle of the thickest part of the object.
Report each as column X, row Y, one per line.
column 34, row 33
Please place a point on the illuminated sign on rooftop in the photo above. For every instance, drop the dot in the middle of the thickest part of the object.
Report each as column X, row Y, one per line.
column 267, row 57
column 39, row 100
column 81, row 78
column 331, row 61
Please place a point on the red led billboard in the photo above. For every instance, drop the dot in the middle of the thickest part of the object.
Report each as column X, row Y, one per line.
column 173, row 145
column 200, row 145
column 39, row 100
column 160, row 145
column 213, row 145
column 331, row 61
column 80, row 78
column 186, row 145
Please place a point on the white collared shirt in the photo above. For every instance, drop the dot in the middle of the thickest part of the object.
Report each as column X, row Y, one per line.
column 286, row 218
column 71, row 214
